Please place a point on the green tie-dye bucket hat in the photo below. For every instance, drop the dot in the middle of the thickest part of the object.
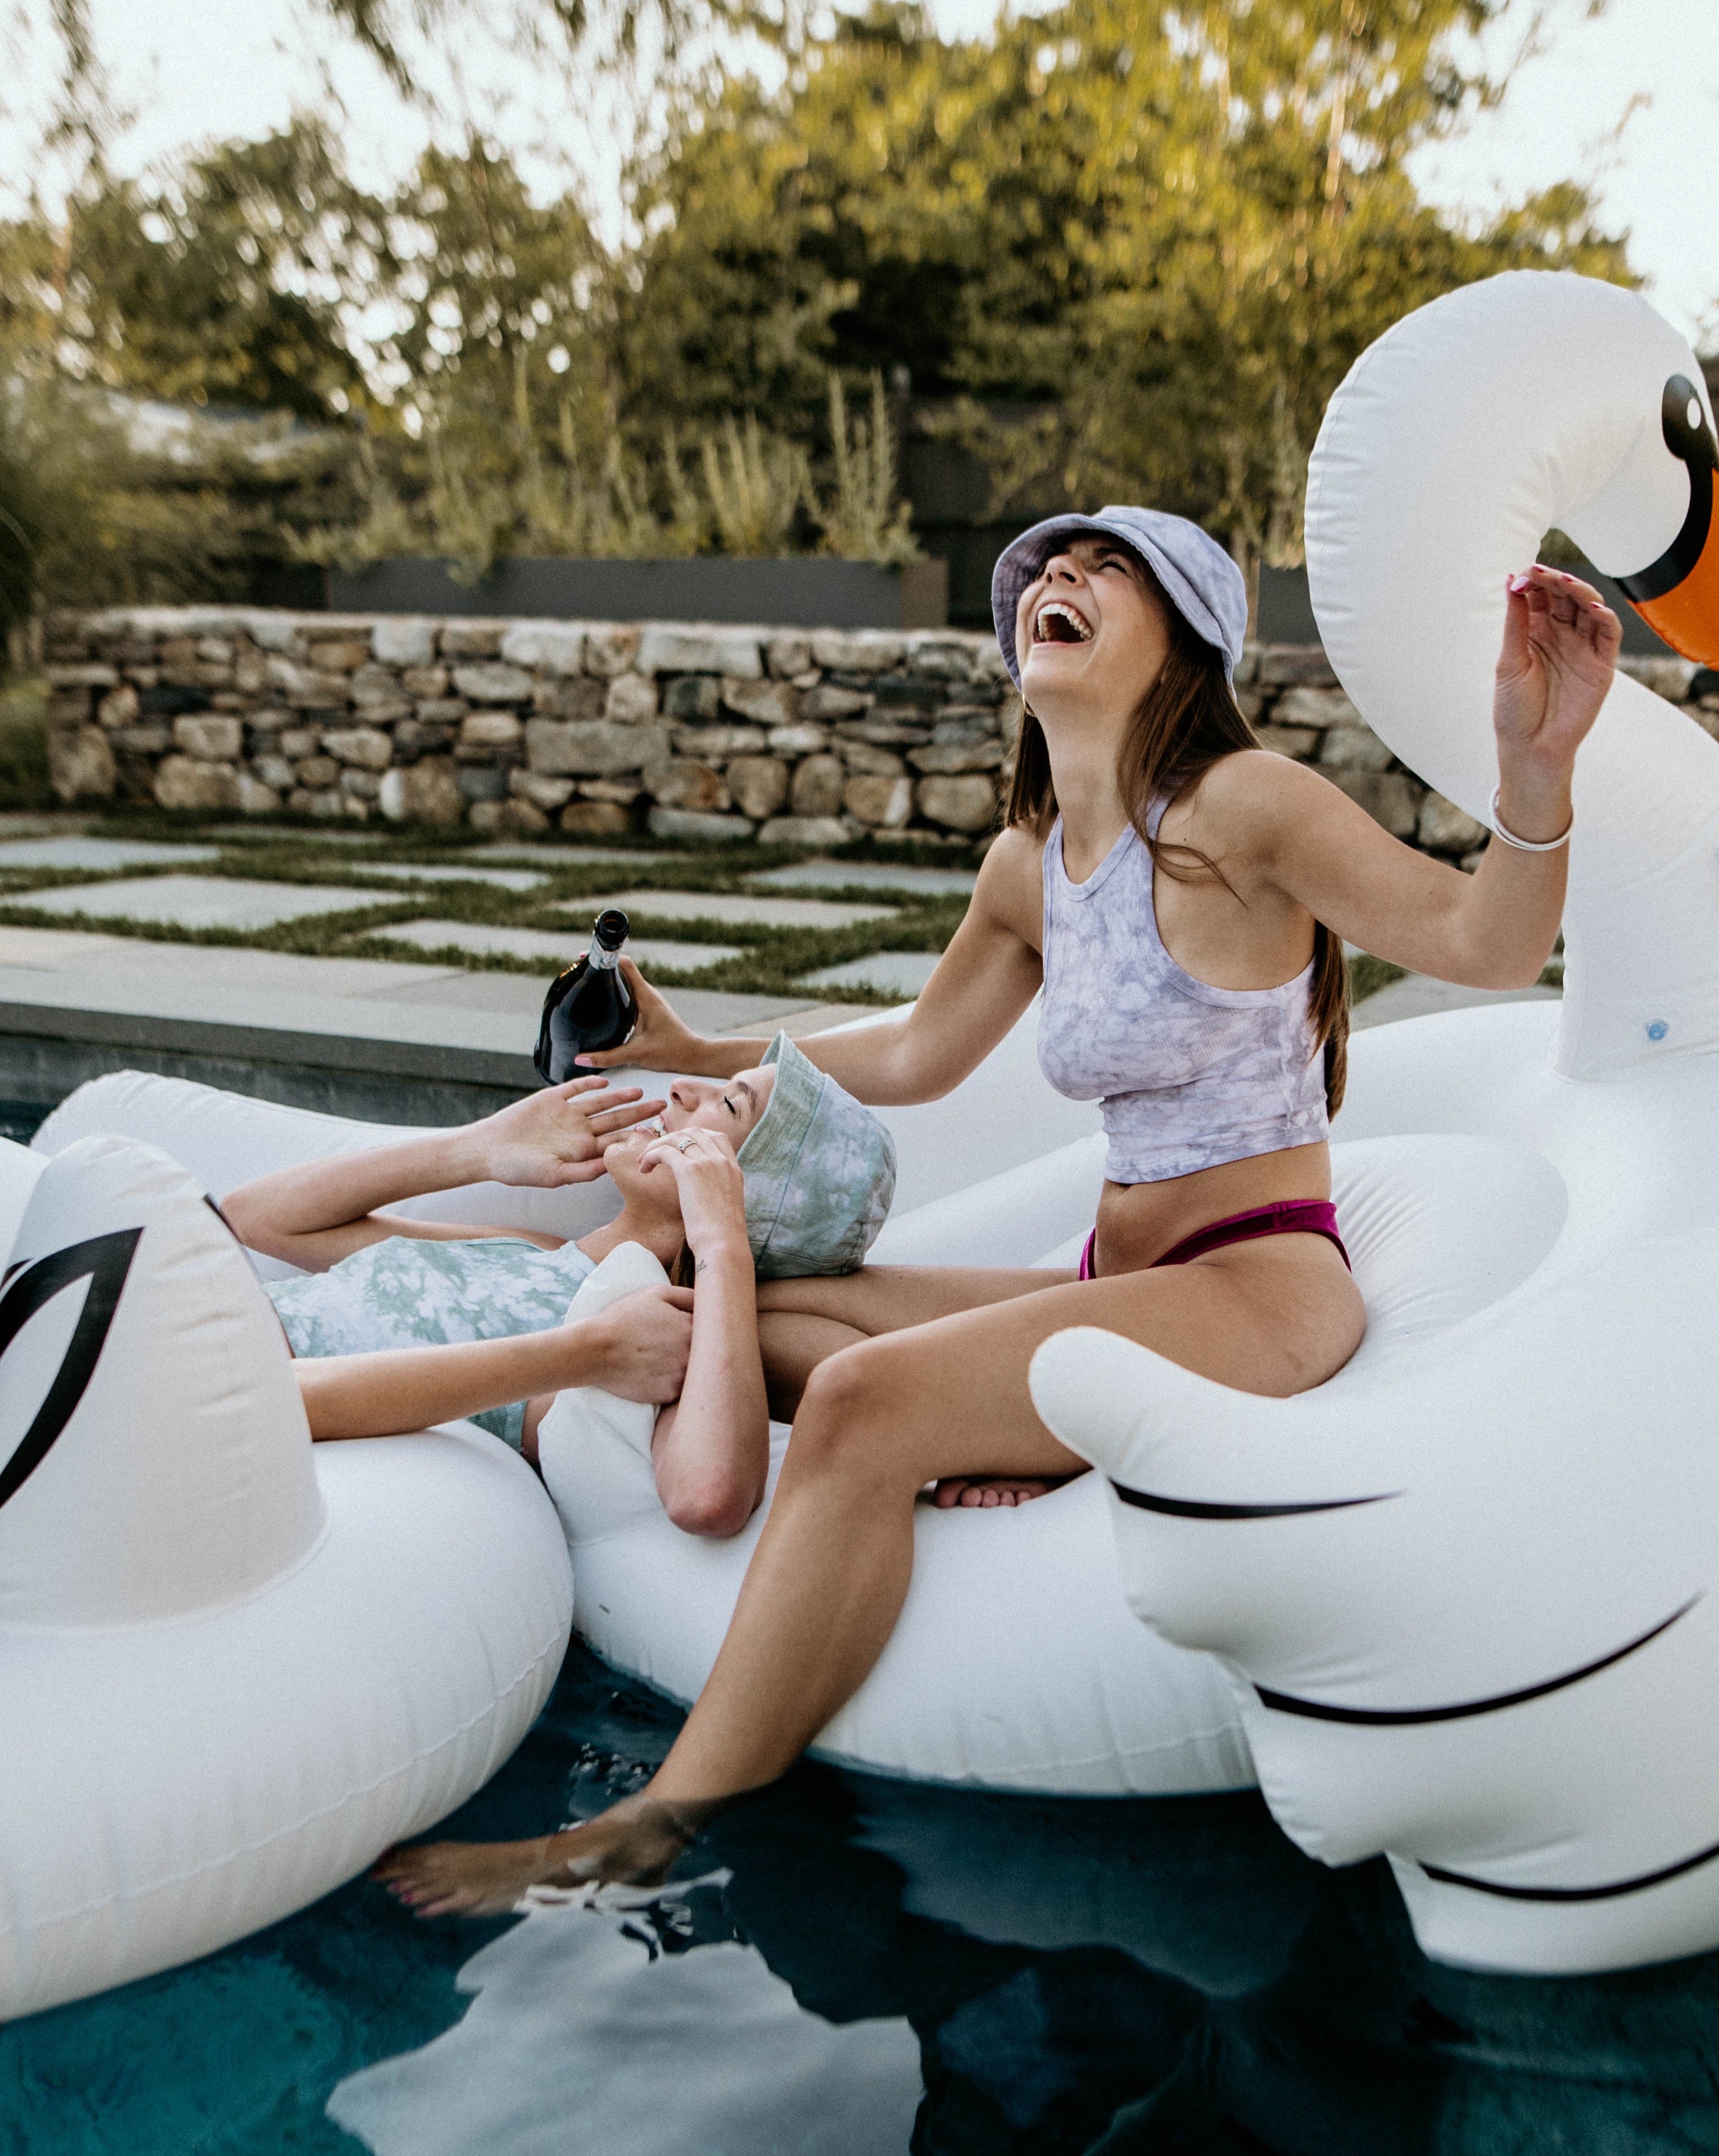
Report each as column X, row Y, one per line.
column 820, row 1172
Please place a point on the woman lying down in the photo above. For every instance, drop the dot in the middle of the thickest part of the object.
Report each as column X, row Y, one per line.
column 776, row 1172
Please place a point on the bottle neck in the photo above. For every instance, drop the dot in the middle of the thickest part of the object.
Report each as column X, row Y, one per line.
column 602, row 961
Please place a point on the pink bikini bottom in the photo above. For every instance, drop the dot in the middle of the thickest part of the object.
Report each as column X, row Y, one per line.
column 1289, row 1216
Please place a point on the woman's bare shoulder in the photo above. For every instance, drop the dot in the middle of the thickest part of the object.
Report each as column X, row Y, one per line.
column 1255, row 790
column 1013, row 862
column 1011, row 885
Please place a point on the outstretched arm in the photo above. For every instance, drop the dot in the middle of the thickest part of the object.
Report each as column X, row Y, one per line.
column 985, row 979
column 638, row 1347
column 1495, row 928
column 315, row 1215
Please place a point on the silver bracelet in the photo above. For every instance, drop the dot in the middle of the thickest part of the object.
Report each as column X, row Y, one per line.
column 1529, row 845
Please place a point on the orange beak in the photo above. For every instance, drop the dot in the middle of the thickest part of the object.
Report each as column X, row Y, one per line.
column 1678, row 595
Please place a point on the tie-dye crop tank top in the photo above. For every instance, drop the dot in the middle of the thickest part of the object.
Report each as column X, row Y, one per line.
column 1187, row 1075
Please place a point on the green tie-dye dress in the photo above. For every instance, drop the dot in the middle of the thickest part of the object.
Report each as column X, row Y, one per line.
column 408, row 1293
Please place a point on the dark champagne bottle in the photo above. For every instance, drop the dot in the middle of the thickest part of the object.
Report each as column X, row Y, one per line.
column 588, row 1007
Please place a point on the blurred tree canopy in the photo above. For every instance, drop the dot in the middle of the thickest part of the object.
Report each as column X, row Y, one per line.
column 1127, row 248
column 1171, row 229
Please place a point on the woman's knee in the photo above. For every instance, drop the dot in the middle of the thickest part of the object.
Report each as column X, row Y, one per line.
column 855, row 1417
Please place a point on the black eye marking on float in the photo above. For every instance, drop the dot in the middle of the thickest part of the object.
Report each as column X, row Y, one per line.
column 1610, row 1891
column 105, row 1260
column 1187, row 1508
column 1397, row 1717
column 1693, row 448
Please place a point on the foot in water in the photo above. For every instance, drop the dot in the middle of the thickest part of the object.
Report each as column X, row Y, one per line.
column 976, row 1491
column 634, row 1843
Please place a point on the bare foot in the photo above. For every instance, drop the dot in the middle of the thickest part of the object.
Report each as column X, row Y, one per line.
column 977, row 1491
column 635, row 1841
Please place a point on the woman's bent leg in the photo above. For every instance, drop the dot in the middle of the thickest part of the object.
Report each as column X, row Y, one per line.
column 877, row 1421
column 803, row 1322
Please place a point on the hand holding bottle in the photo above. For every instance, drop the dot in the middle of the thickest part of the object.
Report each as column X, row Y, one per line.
column 658, row 1040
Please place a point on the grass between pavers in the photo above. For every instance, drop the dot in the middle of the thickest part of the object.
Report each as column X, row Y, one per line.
column 770, row 963
column 24, row 746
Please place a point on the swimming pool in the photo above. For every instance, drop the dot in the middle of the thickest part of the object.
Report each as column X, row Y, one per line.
column 851, row 1967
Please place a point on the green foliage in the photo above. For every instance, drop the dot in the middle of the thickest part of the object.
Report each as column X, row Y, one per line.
column 753, row 495
column 756, row 488
column 24, row 751
column 225, row 286
column 1141, row 244
column 866, row 520
column 106, row 524
column 1128, row 246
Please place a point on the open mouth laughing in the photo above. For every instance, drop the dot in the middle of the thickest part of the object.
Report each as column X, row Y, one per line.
column 1058, row 622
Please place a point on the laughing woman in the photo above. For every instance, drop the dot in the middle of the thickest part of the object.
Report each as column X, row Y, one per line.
column 1181, row 897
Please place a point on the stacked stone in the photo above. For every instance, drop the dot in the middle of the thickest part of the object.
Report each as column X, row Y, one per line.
column 791, row 737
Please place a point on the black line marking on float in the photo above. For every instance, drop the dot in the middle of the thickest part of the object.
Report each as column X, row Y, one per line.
column 1396, row 1717
column 105, row 1260
column 1694, row 449
column 1606, row 1893
column 1189, row 1508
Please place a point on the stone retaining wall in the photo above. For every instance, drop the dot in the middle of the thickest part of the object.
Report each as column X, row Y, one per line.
column 800, row 737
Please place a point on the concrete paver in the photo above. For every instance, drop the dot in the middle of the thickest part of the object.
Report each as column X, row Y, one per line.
column 75, row 853
column 569, row 857
column 734, row 909
column 199, row 901
column 895, row 972
column 554, row 951
column 421, row 872
column 867, row 876
column 378, row 1039
column 209, row 965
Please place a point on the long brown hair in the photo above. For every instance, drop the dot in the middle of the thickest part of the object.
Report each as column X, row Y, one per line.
column 1187, row 721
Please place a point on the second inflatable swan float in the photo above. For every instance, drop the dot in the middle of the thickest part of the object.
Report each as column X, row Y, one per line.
column 1467, row 1589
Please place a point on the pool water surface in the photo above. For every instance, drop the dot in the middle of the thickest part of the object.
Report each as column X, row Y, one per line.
column 851, row 1967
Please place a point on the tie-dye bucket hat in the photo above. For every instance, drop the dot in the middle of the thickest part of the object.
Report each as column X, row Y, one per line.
column 820, row 1172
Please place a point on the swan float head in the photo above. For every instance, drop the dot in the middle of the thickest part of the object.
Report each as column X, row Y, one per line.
column 1533, row 402
column 1469, row 1589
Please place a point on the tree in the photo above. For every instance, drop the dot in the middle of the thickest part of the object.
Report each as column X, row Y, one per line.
column 228, row 283
column 896, row 203
column 1259, row 230
column 1171, row 229
column 502, row 306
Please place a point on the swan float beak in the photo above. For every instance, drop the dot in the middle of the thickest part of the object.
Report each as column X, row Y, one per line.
column 1678, row 595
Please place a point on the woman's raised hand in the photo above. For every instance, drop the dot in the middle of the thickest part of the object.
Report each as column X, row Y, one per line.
column 1561, row 643
column 711, row 1187
column 658, row 1041
column 557, row 1137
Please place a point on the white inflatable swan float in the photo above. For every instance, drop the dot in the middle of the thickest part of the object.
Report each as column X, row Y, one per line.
column 1460, row 1589
column 1467, row 1588
column 232, row 1668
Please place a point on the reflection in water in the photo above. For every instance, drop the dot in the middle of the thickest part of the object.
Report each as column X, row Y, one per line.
column 647, row 2029
column 857, row 1968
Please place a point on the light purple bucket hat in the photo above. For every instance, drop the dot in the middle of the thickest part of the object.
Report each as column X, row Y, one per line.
column 1200, row 579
